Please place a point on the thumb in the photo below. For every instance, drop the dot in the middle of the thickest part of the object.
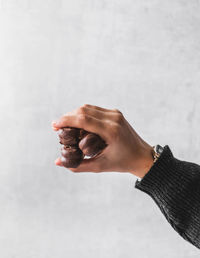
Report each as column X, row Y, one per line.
column 87, row 165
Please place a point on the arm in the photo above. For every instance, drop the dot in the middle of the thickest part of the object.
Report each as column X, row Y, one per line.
column 175, row 187
column 173, row 184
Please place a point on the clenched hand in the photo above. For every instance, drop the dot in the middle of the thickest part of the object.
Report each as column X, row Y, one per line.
column 126, row 151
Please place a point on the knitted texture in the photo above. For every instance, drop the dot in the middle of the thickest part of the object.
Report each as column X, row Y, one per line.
column 175, row 187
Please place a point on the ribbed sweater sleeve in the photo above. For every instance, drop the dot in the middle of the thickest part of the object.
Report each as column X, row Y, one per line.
column 175, row 187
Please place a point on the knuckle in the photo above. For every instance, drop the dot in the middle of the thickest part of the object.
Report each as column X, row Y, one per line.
column 119, row 118
column 86, row 105
column 82, row 110
column 117, row 111
column 83, row 119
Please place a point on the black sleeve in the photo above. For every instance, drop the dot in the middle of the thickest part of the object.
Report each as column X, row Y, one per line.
column 175, row 187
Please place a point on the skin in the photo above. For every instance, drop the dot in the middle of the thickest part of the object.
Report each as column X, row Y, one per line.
column 126, row 150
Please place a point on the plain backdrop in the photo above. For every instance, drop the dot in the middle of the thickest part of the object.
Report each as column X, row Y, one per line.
column 141, row 57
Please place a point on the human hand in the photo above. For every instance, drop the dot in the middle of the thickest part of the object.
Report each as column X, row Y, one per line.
column 126, row 151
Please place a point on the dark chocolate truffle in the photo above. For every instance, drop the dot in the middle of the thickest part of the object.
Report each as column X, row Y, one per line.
column 71, row 156
column 71, row 152
column 69, row 135
column 70, row 163
column 92, row 144
column 77, row 143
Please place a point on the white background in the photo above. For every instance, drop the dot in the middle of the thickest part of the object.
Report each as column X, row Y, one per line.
column 142, row 57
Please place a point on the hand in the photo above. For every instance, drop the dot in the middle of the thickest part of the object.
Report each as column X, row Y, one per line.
column 126, row 150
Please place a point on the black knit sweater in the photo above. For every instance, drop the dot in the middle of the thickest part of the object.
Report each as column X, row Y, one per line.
column 175, row 187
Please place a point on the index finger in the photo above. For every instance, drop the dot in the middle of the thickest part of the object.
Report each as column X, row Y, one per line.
column 85, row 122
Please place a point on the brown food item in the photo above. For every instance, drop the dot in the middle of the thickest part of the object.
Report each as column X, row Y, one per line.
column 70, row 163
column 71, row 156
column 92, row 144
column 82, row 133
column 71, row 152
column 76, row 144
column 69, row 136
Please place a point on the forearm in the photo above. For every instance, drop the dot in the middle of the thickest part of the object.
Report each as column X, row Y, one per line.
column 175, row 187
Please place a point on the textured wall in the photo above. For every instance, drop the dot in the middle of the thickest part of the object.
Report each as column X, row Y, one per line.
column 142, row 57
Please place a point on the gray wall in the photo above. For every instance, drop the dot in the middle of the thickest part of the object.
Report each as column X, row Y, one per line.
column 142, row 57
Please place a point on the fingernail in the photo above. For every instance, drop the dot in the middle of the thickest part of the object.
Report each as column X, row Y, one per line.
column 58, row 162
column 54, row 123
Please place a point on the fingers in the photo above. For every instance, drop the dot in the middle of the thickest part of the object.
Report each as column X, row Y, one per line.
column 87, row 165
column 99, row 108
column 94, row 112
column 84, row 114
column 55, row 128
column 84, row 121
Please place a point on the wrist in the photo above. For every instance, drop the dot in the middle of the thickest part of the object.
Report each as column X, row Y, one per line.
column 145, row 161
